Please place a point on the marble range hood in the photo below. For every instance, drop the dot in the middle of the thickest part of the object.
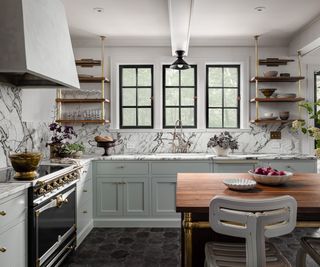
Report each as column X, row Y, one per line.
column 35, row 45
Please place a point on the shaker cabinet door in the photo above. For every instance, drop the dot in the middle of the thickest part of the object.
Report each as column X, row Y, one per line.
column 109, row 197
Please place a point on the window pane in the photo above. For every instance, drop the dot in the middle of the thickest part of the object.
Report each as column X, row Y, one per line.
column 128, row 77
column 129, row 96
column 187, row 96
column 230, row 77
column 215, row 118
column 129, row 117
column 172, row 77
column 172, row 96
column 187, row 116
column 144, row 96
column 144, row 77
column 215, row 97
column 144, row 117
column 172, row 115
column 187, row 77
column 230, row 118
column 215, row 77
column 230, row 97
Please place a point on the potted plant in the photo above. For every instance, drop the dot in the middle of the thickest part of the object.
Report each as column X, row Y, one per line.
column 60, row 137
column 309, row 129
column 222, row 144
column 76, row 150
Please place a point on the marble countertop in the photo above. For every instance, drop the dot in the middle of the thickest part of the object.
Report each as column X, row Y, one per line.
column 7, row 189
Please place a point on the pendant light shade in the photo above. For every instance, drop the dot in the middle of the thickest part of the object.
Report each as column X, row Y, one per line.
column 180, row 64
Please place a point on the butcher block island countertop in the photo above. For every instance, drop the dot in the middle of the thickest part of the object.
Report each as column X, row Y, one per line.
column 195, row 190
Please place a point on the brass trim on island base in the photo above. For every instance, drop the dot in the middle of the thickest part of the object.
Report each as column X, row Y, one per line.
column 188, row 225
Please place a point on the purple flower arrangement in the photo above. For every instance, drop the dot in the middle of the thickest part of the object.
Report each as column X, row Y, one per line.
column 224, row 140
column 61, row 134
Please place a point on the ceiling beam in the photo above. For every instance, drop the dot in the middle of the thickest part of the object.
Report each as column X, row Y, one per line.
column 180, row 13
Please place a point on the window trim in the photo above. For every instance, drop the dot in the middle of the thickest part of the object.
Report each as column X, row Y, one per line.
column 136, row 66
column 164, row 126
column 238, row 67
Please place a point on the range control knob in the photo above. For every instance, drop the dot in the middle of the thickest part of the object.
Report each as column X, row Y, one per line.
column 41, row 191
column 55, row 184
column 60, row 181
column 49, row 187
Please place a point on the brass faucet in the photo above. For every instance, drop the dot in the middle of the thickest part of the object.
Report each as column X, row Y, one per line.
column 182, row 145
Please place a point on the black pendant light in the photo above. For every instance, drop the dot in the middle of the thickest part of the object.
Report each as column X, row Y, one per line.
column 180, row 64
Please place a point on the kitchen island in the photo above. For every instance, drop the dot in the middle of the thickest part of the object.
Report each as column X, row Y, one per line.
column 195, row 190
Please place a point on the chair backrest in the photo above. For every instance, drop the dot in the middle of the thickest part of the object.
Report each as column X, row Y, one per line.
column 253, row 219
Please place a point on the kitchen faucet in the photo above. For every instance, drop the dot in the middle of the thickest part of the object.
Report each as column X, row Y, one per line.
column 179, row 143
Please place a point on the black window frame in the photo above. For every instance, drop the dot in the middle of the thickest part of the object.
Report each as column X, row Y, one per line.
column 164, row 67
column 136, row 66
column 316, row 74
column 238, row 67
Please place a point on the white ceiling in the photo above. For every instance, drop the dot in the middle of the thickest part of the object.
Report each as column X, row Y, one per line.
column 228, row 22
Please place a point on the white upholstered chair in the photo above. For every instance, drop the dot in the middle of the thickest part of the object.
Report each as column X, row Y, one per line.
column 253, row 220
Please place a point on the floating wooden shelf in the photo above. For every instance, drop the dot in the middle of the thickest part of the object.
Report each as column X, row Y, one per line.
column 261, row 122
column 90, row 79
column 274, row 62
column 276, row 79
column 88, row 63
column 82, row 100
column 82, row 121
column 274, row 99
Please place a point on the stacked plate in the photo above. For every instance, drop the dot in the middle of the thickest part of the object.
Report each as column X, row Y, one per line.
column 286, row 95
column 239, row 184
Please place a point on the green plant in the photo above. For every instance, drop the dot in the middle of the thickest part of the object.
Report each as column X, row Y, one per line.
column 312, row 131
column 75, row 147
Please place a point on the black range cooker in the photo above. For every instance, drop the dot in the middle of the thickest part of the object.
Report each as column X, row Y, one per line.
column 51, row 213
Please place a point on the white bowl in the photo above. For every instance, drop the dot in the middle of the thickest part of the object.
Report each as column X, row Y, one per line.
column 239, row 184
column 271, row 180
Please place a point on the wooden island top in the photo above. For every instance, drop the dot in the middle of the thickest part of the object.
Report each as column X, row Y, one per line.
column 195, row 190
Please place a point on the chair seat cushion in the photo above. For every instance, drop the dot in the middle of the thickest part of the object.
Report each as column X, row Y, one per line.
column 234, row 255
column 312, row 246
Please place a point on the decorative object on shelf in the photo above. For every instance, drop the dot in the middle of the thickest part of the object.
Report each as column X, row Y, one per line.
column 25, row 164
column 288, row 95
column 239, row 184
column 267, row 92
column 272, row 118
column 270, row 73
column 309, row 129
column 270, row 176
column 85, row 97
column 284, row 74
column 60, row 137
column 284, row 115
column 106, row 142
column 223, row 143
column 75, row 150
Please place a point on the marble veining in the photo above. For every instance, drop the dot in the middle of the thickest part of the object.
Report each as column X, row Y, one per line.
column 8, row 189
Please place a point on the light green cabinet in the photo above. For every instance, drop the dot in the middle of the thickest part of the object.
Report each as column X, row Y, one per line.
column 303, row 165
column 117, row 196
column 233, row 166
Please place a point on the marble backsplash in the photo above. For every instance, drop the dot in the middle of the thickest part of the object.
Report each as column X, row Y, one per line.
column 17, row 135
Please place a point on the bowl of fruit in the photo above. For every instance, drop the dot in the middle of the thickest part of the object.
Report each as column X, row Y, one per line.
column 270, row 176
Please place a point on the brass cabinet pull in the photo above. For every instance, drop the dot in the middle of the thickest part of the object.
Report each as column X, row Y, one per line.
column 120, row 167
column 3, row 249
column 3, row 213
column 85, row 190
column 85, row 211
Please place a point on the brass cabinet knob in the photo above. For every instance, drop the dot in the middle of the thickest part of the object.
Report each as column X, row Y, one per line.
column 3, row 249
column 85, row 190
column 3, row 213
column 85, row 211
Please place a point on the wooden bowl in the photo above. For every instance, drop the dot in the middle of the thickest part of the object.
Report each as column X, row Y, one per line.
column 267, row 92
column 270, row 74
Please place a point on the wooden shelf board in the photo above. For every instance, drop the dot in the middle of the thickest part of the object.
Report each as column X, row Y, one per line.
column 83, row 121
column 274, row 62
column 88, row 63
column 93, row 79
column 274, row 99
column 271, row 121
column 276, row 79
column 82, row 100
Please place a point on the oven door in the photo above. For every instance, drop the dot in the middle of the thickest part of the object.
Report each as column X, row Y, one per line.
column 55, row 222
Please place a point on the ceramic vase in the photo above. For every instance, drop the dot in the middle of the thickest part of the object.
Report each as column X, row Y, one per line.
column 221, row 152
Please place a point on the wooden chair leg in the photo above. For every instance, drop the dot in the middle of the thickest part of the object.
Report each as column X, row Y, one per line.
column 301, row 258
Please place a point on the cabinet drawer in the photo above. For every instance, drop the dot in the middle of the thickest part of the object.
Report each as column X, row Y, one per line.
column 292, row 165
column 178, row 166
column 13, row 210
column 106, row 168
column 233, row 166
column 84, row 215
column 84, row 191
column 13, row 241
column 85, row 173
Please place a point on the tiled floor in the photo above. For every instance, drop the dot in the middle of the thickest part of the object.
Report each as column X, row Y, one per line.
column 154, row 247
